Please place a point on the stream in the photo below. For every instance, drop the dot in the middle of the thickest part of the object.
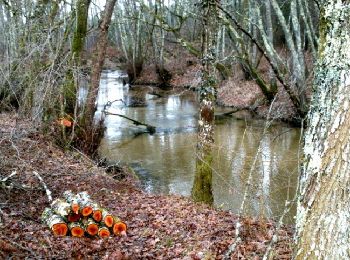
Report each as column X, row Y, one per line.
column 165, row 161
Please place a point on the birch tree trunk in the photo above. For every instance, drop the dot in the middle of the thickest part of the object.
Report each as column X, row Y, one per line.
column 202, row 186
column 323, row 227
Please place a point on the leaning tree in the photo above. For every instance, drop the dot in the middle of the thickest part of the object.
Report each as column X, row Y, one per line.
column 323, row 228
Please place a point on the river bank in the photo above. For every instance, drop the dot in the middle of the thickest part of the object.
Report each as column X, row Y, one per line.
column 164, row 160
column 159, row 227
column 236, row 90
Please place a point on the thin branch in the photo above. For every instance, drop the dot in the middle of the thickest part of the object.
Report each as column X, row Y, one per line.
column 287, row 87
column 150, row 128
column 48, row 192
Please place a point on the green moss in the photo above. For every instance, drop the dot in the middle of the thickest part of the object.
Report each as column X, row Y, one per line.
column 69, row 93
column 81, row 27
column 202, row 186
column 268, row 90
column 323, row 30
column 225, row 72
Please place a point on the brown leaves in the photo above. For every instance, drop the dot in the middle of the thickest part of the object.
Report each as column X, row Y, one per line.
column 6, row 246
column 159, row 227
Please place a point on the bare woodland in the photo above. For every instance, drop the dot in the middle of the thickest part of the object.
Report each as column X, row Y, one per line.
column 279, row 60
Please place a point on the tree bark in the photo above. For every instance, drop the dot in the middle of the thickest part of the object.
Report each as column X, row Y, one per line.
column 202, row 186
column 70, row 88
column 323, row 230
column 97, row 65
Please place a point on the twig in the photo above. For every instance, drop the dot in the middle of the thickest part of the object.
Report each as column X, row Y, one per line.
column 1, row 217
column 8, row 177
column 287, row 208
column 5, row 179
column 48, row 192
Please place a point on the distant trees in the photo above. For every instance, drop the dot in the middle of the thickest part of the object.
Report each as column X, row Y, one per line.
column 42, row 47
column 131, row 28
column 283, row 33
column 42, row 61
column 250, row 33
column 323, row 230
column 254, row 36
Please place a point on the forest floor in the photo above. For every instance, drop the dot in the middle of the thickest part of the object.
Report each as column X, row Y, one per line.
column 159, row 227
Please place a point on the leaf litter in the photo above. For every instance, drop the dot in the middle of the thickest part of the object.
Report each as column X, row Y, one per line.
column 159, row 226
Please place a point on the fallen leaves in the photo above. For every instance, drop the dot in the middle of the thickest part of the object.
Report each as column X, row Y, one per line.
column 159, row 227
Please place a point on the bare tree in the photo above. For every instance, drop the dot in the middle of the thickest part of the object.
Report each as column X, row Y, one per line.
column 92, row 138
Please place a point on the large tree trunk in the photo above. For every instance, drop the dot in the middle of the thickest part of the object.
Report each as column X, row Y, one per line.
column 202, row 186
column 93, row 134
column 323, row 229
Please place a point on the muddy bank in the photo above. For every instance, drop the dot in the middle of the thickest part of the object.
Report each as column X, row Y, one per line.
column 160, row 227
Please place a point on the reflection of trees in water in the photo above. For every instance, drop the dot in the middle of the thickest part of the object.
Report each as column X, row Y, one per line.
column 272, row 178
column 167, row 157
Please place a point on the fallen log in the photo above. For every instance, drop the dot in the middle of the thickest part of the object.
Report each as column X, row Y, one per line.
column 72, row 217
column 55, row 222
column 85, row 203
column 76, row 229
column 97, row 212
column 91, row 227
column 73, row 200
column 108, row 219
column 61, row 207
column 104, row 232
column 86, row 211
column 150, row 128
column 119, row 228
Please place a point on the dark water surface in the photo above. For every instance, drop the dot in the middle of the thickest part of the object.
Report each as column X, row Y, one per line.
column 165, row 161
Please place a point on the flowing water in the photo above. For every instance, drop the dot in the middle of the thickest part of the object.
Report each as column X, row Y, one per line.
column 245, row 151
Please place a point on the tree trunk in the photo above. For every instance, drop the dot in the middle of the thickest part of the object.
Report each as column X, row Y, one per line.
column 82, row 14
column 202, row 186
column 323, row 229
column 93, row 135
column 70, row 89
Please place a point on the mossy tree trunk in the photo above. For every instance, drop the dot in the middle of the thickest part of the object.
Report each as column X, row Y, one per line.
column 202, row 186
column 70, row 88
column 323, row 229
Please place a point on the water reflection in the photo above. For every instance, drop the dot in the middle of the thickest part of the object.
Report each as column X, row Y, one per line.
column 165, row 161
